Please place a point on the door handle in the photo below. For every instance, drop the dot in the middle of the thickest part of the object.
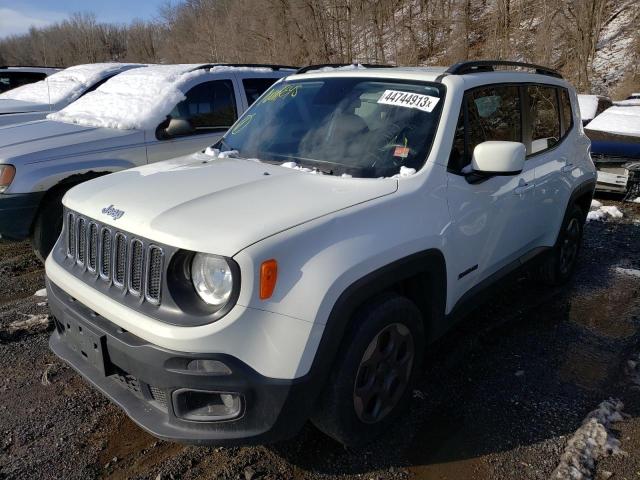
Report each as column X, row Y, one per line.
column 569, row 167
column 523, row 188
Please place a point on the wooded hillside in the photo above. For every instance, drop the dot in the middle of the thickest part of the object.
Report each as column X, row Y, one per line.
column 595, row 43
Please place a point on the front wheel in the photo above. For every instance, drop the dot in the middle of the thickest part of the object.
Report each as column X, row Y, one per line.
column 371, row 381
column 559, row 266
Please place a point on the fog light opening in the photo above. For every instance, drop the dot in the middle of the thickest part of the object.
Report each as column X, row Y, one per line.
column 203, row 406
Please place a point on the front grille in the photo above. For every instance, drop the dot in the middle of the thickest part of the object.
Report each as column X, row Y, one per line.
column 115, row 256
column 158, row 395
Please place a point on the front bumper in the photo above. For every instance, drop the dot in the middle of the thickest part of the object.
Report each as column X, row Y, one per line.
column 141, row 378
column 17, row 212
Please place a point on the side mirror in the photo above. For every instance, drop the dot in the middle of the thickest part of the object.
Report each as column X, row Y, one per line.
column 498, row 158
column 177, row 127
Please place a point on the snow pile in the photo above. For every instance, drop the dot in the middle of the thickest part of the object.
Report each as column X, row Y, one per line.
column 405, row 172
column 630, row 272
column 67, row 85
column 590, row 442
column 595, row 204
column 136, row 99
column 588, row 106
column 295, row 166
column 603, row 212
column 355, row 66
column 41, row 293
column 636, row 200
column 33, row 323
column 619, row 119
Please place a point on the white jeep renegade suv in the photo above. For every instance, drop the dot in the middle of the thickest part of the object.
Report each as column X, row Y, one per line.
column 297, row 269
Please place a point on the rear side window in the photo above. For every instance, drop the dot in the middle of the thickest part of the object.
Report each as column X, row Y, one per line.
column 254, row 87
column 492, row 113
column 567, row 114
column 543, row 118
column 208, row 106
column 10, row 80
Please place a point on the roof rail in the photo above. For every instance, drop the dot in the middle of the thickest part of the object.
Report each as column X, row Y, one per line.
column 249, row 65
column 475, row 66
column 308, row 68
column 29, row 66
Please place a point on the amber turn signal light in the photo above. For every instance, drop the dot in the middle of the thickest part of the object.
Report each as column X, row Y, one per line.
column 268, row 278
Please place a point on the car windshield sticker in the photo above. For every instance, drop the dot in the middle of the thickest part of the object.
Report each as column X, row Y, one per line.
column 242, row 123
column 286, row 91
column 426, row 103
column 402, row 151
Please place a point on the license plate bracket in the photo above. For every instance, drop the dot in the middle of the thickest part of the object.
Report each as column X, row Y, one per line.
column 88, row 342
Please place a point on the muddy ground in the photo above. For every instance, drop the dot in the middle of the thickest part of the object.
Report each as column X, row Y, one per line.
column 499, row 398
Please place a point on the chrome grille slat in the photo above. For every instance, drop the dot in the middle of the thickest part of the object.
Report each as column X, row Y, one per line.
column 136, row 266
column 105, row 254
column 93, row 247
column 155, row 260
column 81, row 249
column 120, row 259
column 71, row 235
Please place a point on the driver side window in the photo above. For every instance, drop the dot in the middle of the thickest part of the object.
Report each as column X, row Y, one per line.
column 209, row 106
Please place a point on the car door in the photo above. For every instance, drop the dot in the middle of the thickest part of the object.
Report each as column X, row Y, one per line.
column 544, row 130
column 492, row 216
column 210, row 108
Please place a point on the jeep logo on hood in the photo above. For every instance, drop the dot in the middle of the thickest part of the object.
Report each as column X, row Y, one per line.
column 113, row 212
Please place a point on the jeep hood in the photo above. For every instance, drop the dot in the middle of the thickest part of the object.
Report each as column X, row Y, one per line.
column 217, row 206
column 46, row 140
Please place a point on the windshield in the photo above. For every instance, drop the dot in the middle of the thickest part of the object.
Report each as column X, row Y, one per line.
column 64, row 86
column 359, row 126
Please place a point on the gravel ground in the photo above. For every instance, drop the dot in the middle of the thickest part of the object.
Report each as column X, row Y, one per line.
column 499, row 398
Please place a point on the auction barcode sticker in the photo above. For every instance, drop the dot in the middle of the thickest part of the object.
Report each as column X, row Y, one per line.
column 398, row 98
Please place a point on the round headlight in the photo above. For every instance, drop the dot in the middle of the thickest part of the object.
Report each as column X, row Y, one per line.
column 212, row 279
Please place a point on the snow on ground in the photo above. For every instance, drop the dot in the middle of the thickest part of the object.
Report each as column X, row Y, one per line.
column 64, row 86
column 590, row 442
column 588, row 106
column 595, row 204
column 41, row 293
column 137, row 99
column 619, row 119
column 636, row 200
column 631, row 272
column 603, row 212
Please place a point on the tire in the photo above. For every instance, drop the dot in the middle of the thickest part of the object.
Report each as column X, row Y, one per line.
column 47, row 225
column 371, row 380
column 558, row 268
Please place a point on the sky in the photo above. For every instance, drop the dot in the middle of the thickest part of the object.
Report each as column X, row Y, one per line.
column 16, row 16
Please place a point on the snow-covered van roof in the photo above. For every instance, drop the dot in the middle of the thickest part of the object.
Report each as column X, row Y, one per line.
column 588, row 106
column 67, row 85
column 619, row 119
column 140, row 98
